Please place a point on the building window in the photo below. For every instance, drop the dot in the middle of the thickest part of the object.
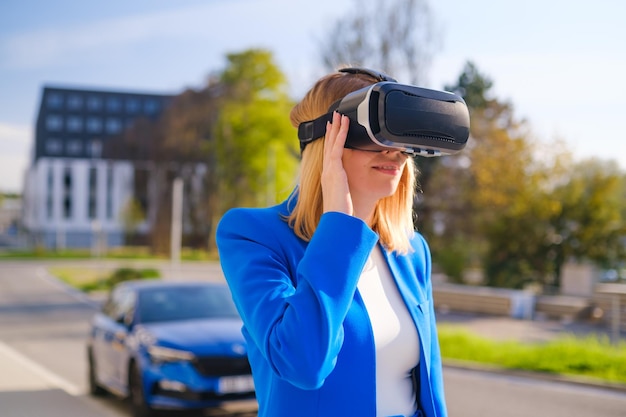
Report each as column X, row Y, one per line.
column 94, row 103
column 95, row 149
column 114, row 104
column 67, row 192
column 151, row 106
column 54, row 122
column 74, row 102
column 109, row 193
column 94, row 125
column 113, row 126
column 132, row 105
column 92, row 193
column 49, row 193
column 54, row 100
column 54, row 146
column 74, row 124
column 74, row 147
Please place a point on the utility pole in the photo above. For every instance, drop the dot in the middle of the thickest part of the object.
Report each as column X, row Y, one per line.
column 177, row 220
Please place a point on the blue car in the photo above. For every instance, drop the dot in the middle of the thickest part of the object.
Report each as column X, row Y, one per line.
column 169, row 345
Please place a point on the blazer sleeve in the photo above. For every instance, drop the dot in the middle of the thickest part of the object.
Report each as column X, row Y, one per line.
column 295, row 321
column 436, row 367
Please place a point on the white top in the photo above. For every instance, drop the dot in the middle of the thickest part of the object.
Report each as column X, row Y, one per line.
column 395, row 337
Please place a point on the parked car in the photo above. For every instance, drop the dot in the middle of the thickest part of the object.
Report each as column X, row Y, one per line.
column 169, row 345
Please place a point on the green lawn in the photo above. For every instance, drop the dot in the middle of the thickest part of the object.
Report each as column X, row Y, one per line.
column 589, row 357
column 134, row 252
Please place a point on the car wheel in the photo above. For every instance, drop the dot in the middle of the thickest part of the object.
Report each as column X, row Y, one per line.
column 138, row 404
column 94, row 388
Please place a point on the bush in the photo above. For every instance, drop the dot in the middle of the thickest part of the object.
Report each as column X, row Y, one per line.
column 129, row 274
column 89, row 281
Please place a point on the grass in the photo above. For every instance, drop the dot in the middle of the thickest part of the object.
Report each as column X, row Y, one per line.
column 589, row 357
column 128, row 252
column 90, row 279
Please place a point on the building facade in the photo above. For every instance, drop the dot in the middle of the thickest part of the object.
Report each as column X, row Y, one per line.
column 73, row 196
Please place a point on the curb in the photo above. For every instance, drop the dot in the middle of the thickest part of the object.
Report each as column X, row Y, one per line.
column 542, row 376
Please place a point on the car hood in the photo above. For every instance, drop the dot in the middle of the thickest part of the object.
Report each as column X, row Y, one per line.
column 212, row 336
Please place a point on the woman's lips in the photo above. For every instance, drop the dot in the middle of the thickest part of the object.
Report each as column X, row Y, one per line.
column 388, row 169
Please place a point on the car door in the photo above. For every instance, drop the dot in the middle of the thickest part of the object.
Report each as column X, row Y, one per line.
column 110, row 332
column 103, row 330
column 121, row 328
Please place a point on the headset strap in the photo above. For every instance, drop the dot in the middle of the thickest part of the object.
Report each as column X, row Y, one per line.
column 313, row 129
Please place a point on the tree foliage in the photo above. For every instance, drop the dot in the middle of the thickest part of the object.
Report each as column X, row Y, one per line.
column 256, row 146
column 520, row 214
column 589, row 222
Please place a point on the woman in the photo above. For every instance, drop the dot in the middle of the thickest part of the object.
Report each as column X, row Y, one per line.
column 333, row 285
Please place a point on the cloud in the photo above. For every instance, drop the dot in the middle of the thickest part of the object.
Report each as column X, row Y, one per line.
column 54, row 45
column 14, row 137
column 222, row 25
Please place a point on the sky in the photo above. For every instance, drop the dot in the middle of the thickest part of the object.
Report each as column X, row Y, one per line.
column 560, row 63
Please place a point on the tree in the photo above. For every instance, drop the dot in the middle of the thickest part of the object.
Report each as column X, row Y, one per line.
column 255, row 145
column 394, row 36
column 489, row 180
column 523, row 214
column 132, row 216
column 589, row 223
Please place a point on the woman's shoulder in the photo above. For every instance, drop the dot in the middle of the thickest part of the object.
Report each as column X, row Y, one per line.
column 418, row 241
column 420, row 249
column 253, row 218
column 266, row 213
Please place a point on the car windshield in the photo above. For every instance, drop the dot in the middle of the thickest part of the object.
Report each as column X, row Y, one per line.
column 184, row 303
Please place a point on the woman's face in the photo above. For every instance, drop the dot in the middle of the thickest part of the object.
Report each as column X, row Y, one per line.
column 373, row 175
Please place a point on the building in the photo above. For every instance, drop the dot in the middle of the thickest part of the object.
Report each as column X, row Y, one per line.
column 73, row 196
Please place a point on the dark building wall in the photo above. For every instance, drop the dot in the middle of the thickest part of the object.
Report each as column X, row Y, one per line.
column 75, row 123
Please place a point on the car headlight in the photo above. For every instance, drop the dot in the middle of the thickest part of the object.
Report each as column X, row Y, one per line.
column 163, row 354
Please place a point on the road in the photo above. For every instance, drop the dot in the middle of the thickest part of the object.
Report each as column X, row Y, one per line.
column 42, row 368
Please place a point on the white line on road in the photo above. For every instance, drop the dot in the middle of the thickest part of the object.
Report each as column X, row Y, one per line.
column 8, row 353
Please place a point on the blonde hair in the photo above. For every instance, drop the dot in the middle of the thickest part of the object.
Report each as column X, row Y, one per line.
column 393, row 215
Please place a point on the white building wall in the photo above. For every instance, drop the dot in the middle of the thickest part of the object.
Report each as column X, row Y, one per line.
column 77, row 230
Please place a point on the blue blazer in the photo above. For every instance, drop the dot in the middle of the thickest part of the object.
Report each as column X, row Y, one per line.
column 310, row 342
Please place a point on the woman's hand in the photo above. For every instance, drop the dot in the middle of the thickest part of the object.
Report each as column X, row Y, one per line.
column 335, row 190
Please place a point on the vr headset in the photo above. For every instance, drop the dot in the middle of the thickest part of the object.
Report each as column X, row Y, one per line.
column 392, row 116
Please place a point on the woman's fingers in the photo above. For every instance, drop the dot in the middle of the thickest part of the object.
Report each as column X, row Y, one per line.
column 336, row 134
column 335, row 188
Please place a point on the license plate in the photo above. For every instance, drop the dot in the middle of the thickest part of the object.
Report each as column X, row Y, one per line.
column 236, row 384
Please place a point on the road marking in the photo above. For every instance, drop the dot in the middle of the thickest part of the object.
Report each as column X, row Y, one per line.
column 9, row 354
